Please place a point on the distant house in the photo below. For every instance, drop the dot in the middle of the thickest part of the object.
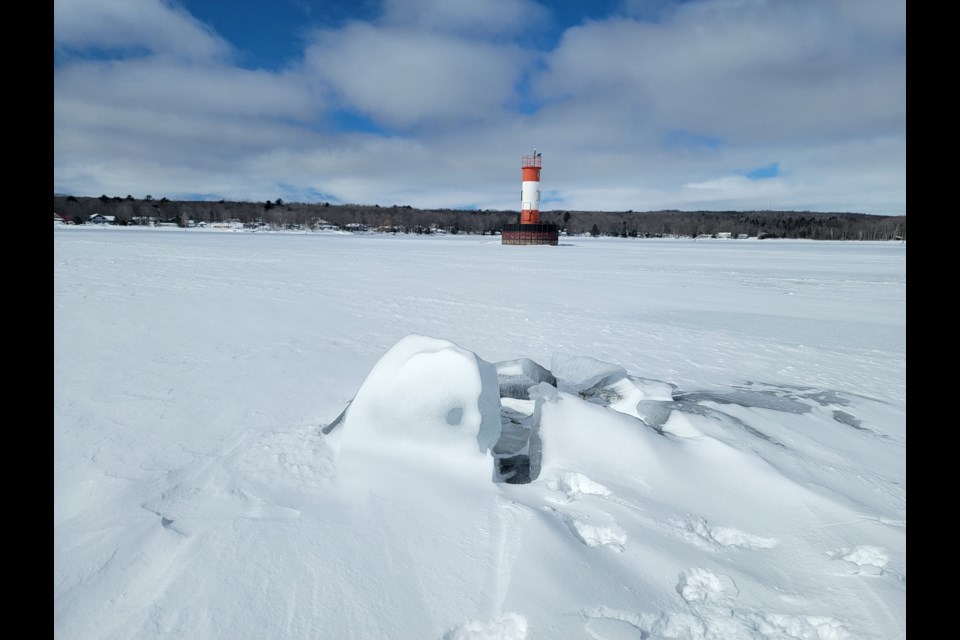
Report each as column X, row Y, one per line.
column 743, row 236
column 58, row 219
column 230, row 223
column 724, row 234
column 99, row 218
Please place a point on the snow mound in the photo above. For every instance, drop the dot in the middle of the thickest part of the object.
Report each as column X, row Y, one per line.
column 426, row 400
column 574, row 434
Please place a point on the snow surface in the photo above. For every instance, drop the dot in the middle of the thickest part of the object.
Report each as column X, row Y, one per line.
column 306, row 436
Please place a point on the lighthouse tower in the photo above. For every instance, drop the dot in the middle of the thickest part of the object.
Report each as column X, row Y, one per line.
column 530, row 188
column 530, row 230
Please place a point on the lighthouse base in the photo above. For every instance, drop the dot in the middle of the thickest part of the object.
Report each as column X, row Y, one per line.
column 537, row 233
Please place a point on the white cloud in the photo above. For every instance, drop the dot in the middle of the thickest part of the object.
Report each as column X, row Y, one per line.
column 748, row 71
column 166, row 87
column 405, row 78
column 817, row 87
column 155, row 25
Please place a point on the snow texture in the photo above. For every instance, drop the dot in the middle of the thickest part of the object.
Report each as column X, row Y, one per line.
column 304, row 436
column 509, row 626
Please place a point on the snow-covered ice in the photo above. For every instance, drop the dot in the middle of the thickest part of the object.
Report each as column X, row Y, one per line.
column 300, row 436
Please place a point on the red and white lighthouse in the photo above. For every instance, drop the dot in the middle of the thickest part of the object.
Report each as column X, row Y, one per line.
column 530, row 230
column 530, row 188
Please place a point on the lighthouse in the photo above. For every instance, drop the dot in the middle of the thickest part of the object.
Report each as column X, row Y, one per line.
column 530, row 188
column 530, row 230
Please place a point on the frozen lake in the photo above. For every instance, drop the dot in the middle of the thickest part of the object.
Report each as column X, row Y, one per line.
column 176, row 347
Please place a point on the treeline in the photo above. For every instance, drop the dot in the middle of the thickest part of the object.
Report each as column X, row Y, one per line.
column 406, row 219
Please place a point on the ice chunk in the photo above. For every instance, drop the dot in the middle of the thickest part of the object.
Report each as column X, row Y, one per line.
column 525, row 367
column 580, row 373
column 517, row 376
column 515, row 422
column 518, row 451
column 654, row 412
column 608, row 384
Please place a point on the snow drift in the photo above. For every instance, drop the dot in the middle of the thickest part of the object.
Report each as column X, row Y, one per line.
column 591, row 459
column 427, row 405
column 458, row 498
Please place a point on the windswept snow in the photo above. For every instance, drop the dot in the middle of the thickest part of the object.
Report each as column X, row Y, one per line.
column 373, row 437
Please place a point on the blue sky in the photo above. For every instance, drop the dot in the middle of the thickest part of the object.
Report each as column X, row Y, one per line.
column 635, row 104
column 273, row 34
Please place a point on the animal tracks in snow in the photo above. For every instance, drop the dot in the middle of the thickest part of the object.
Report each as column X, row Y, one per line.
column 597, row 535
column 709, row 611
column 707, row 536
column 701, row 585
column 866, row 560
column 600, row 530
column 575, row 485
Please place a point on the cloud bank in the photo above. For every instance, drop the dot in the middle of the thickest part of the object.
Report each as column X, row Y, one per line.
column 657, row 105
